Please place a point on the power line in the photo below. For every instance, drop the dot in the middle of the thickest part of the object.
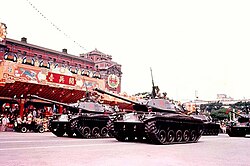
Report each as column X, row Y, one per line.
column 55, row 26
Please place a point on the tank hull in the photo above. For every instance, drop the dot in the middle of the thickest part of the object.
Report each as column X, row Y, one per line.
column 238, row 131
column 160, row 129
column 82, row 126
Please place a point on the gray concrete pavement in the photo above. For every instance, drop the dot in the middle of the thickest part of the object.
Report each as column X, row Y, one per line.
column 18, row 149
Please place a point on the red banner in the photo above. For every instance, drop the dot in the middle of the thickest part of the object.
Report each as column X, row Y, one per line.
column 60, row 79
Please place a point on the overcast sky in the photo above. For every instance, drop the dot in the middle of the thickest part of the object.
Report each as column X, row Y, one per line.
column 191, row 45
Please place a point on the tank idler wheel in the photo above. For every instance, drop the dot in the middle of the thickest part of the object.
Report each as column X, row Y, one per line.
column 178, row 136
column 170, row 136
column 24, row 129
column 96, row 132
column 104, row 132
column 162, row 136
column 186, row 136
column 193, row 136
column 86, row 132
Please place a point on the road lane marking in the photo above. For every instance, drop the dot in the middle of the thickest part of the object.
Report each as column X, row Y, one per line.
column 65, row 146
column 69, row 140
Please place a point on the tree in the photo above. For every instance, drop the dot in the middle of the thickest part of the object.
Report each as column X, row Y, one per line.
column 243, row 106
column 211, row 106
column 219, row 114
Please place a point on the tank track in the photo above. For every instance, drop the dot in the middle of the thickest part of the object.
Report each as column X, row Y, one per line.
column 89, row 127
column 234, row 131
column 161, row 131
column 129, row 131
column 211, row 129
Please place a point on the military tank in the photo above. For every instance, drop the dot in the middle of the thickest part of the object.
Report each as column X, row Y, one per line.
column 88, row 119
column 210, row 128
column 239, row 127
column 156, row 121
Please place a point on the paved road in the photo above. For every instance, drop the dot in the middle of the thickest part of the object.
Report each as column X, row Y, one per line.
column 18, row 149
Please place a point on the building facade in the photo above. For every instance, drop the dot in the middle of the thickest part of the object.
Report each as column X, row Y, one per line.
column 94, row 64
column 28, row 69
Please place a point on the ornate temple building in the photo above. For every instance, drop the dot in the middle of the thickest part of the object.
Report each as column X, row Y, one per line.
column 27, row 69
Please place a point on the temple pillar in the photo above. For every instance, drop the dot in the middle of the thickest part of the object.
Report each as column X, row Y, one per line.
column 60, row 110
column 21, row 107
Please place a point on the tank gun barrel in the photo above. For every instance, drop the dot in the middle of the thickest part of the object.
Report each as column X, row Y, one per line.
column 50, row 101
column 116, row 96
column 64, row 104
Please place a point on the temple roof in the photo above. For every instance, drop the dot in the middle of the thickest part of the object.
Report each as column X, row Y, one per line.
column 48, row 50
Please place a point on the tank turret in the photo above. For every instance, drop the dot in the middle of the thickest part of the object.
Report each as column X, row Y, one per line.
column 152, row 104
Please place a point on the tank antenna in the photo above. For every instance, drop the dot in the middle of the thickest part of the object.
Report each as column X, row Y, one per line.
column 153, row 85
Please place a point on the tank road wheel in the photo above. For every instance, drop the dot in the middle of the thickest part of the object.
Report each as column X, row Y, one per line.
column 193, row 136
column 24, row 129
column 86, row 132
column 186, row 136
column 96, row 132
column 170, row 136
column 178, row 136
column 104, row 132
column 162, row 136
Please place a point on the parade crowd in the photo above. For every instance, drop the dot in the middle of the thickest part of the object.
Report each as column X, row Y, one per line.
column 9, row 117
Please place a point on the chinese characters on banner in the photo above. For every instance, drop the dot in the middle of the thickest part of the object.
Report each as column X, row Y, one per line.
column 61, row 79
